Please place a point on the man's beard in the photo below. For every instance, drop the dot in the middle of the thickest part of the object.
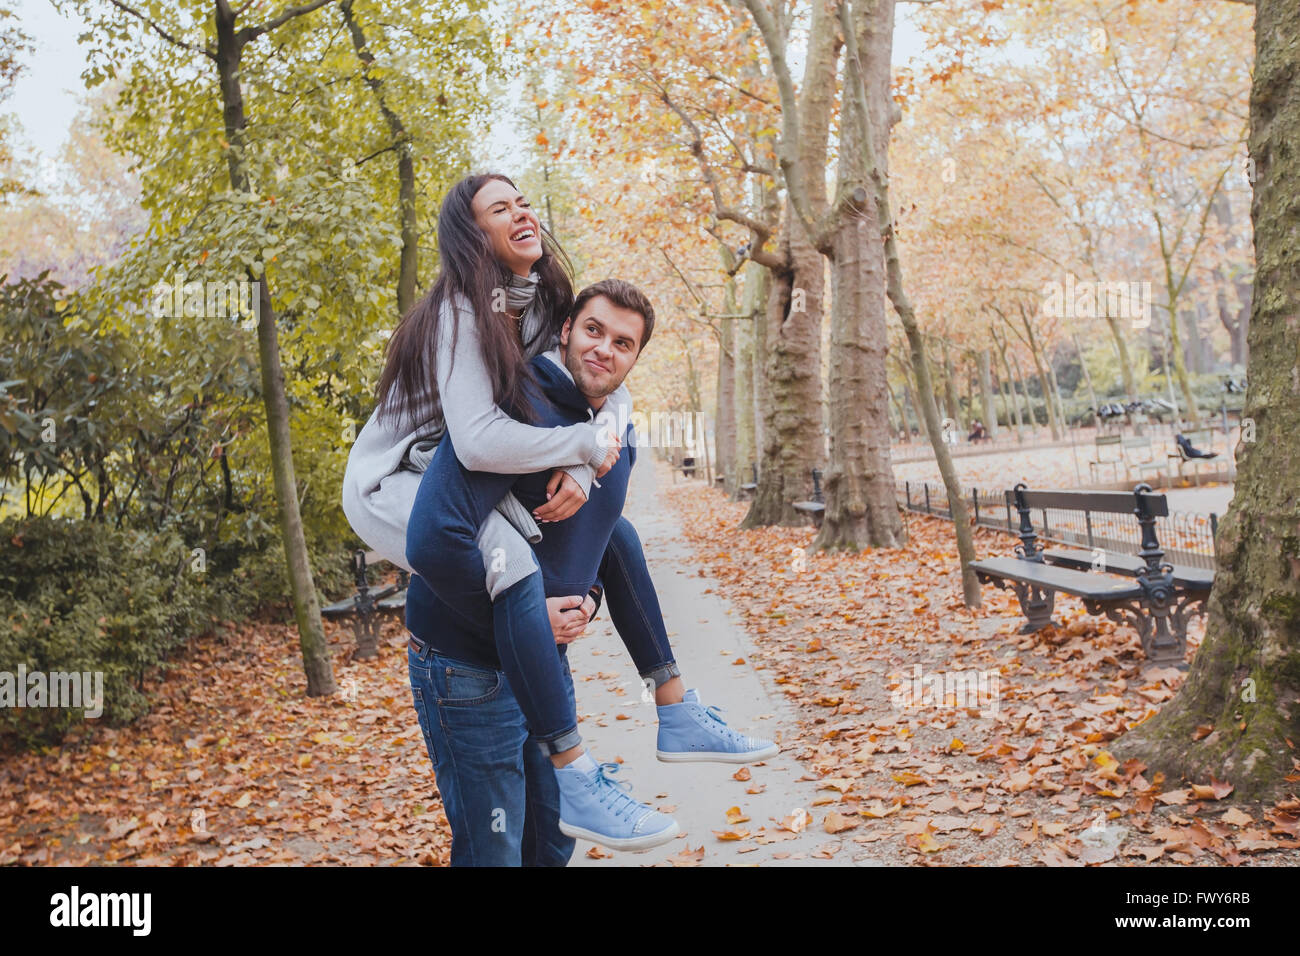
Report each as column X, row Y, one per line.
column 581, row 377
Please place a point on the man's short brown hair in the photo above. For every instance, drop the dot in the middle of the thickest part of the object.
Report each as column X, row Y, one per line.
column 624, row 295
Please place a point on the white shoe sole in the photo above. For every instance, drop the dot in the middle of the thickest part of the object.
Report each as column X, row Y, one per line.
column 627, row 844
column 712, row 756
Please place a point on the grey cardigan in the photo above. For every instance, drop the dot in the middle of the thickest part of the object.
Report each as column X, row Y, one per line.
column 388, row 458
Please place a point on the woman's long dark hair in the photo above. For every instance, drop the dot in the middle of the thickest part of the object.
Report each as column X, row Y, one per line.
column 409, row 387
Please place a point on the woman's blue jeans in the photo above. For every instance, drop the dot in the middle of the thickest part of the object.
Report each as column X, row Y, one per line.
column 528, row 652
column 499, row 792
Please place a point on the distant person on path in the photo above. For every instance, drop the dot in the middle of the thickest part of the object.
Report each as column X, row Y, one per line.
column 977, row 432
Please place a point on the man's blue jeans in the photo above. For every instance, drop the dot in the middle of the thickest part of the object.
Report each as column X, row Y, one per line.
column 498, row 787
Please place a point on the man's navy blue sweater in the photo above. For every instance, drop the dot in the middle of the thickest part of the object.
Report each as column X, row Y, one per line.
column 448, row 606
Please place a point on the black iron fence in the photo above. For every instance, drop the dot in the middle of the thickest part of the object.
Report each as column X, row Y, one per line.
column 1186, row 537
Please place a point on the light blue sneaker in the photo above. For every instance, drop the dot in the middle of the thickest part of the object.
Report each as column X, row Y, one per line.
column 690, row 731
column 596, row 808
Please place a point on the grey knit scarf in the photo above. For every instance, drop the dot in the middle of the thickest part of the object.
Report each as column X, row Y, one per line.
column 520, row 291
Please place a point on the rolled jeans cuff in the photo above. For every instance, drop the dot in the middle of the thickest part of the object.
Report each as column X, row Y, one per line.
column 566, row 741
column 662, row 674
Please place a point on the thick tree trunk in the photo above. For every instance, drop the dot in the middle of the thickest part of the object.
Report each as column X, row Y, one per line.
column 861, row 508
column 858, row 99
column 793, row 443
column 306, row 605
column 1245, row 680
column 792, row 432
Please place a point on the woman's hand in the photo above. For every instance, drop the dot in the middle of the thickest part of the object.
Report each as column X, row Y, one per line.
column 568, row 617
column 611, row 455
column 563, row 497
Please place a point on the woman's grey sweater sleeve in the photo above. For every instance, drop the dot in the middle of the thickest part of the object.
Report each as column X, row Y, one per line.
column 485, row 437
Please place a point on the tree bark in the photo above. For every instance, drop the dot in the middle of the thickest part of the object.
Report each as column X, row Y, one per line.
column 861, row 507
column 792, row 431
column 986, row 393
column 1180, row 367
column 306, row 606
column 1245, row 679
column 792, row 434
column 724, row 428
column 1035, row 352
column 950, row 389
column 857, row 98
column 1125, row 361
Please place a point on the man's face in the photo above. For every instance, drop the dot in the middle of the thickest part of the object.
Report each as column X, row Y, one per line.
column 601, row 346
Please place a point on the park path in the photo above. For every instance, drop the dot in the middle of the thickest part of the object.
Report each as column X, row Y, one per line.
column 615, row 721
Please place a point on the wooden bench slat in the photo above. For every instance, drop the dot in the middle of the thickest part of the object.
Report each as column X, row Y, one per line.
column 1107, row 502
column 1193, row 579
column 1079, row 583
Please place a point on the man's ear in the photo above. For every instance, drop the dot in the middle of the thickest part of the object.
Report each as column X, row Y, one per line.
column 564, row 333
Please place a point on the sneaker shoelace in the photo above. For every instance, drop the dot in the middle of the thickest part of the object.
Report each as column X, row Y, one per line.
column 714, row 711
column 613, row 793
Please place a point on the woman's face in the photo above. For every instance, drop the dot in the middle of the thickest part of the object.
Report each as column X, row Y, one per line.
column 508, row 221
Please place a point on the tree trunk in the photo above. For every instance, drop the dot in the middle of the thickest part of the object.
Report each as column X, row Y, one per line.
column 856, row 95
column 986, row 393
column 1180, row 367
column 861, row 507
column 793, row 443
column 898, row 410
column 1245, row 679
column 1087, row 378
column 757, row 280
column 792, row 432
column 1030, row 414
column 1235, row 323
column 724, row 428
column 306, row 606
column 950, row 390
column 1125, row 362
column 1056, row 397
column 1044, row 385
column 1012, row 400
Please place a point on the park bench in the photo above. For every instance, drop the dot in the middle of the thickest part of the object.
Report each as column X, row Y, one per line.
column 816, row 508
column 750, row 488
column 684, row 465
column 1202, row 439
column 1146, row 593
column 1140, row 454
column 1108, row 452
column 366, row 605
